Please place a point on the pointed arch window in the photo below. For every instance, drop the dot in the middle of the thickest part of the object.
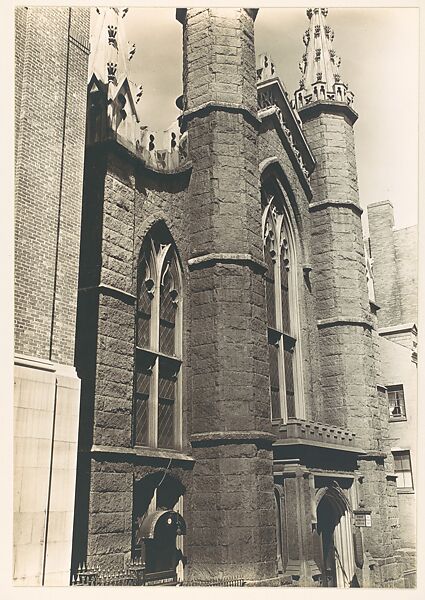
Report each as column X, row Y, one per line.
column 282, row 311
column 157, row 385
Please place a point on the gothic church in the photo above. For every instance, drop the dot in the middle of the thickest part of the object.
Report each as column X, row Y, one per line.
column 198, row 382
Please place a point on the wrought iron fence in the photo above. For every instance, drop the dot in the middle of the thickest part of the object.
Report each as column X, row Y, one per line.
column 225, row 582
column 135, row 574
column 130, row 576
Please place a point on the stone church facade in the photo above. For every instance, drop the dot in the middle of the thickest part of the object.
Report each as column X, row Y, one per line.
column 231, row 418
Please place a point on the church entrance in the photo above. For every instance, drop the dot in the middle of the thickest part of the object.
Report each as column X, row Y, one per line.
column 336, row 553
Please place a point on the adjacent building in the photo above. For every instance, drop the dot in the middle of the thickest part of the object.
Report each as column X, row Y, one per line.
column 50, row 99
column 392, row 253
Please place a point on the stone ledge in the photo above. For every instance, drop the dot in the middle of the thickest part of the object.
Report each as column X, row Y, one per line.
column 315, row 109
column 226, row 257
column 374, row 455
column 32, row 362
column 315, row 206
column 207, row 107
column 109, row 290
column 140, row 452
column 344, row 320
column 230, row 437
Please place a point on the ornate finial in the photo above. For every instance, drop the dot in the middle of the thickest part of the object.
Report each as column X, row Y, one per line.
column 320, row 64
column 266, row 67
column 112, row 34
column 139, row 93
column 132, row 51
column 112, row 71
column 124, row 12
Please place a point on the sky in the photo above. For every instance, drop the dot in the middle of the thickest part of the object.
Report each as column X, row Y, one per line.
column 380, row 54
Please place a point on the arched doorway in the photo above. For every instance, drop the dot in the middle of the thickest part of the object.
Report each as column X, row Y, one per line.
column 335, row 540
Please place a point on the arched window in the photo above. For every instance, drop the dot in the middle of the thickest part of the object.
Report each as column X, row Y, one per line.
column 282, row 310
column 157, row 387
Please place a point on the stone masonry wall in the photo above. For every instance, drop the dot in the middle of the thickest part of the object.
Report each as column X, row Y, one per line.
column 217, row 59
column 49, row 171
column 122, row 202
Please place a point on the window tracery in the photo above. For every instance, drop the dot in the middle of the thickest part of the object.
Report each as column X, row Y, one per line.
column 282, row 313
column 157, row 398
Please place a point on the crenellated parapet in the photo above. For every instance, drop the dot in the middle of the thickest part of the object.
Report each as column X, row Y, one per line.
column 163, row 150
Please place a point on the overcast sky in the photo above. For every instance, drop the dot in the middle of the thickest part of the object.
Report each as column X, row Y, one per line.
column 379, row 51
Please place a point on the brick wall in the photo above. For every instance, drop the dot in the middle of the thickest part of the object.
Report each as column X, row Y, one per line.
column 394, row 259
column 384, row 265
column 51, row 79
column 406, row 248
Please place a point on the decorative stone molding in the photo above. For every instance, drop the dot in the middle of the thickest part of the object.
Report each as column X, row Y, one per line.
column 328, row 202
column 226, row 257
column 343, row 321
column 268, row 103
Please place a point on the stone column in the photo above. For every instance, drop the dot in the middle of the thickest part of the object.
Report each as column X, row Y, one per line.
column 299, row 508
column 230, row 513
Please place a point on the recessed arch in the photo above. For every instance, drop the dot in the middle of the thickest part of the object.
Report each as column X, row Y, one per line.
column 334, row 529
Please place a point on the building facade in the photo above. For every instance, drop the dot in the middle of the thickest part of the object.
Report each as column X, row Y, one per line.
column 392, row 253
column 233, row 420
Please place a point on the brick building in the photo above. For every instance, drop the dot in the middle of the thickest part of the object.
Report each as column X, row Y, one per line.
column 50, row 100
column 392, row 254
column 232, row 420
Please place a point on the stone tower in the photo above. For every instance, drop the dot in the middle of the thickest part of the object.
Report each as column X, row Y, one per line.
column 231, row 429
column 345, row 320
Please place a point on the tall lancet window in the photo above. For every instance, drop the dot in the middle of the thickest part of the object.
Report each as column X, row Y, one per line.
column 157, row 382
column 282, row 311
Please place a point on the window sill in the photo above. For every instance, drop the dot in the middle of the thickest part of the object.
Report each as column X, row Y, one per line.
column 397, row 419
column 405, row 491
